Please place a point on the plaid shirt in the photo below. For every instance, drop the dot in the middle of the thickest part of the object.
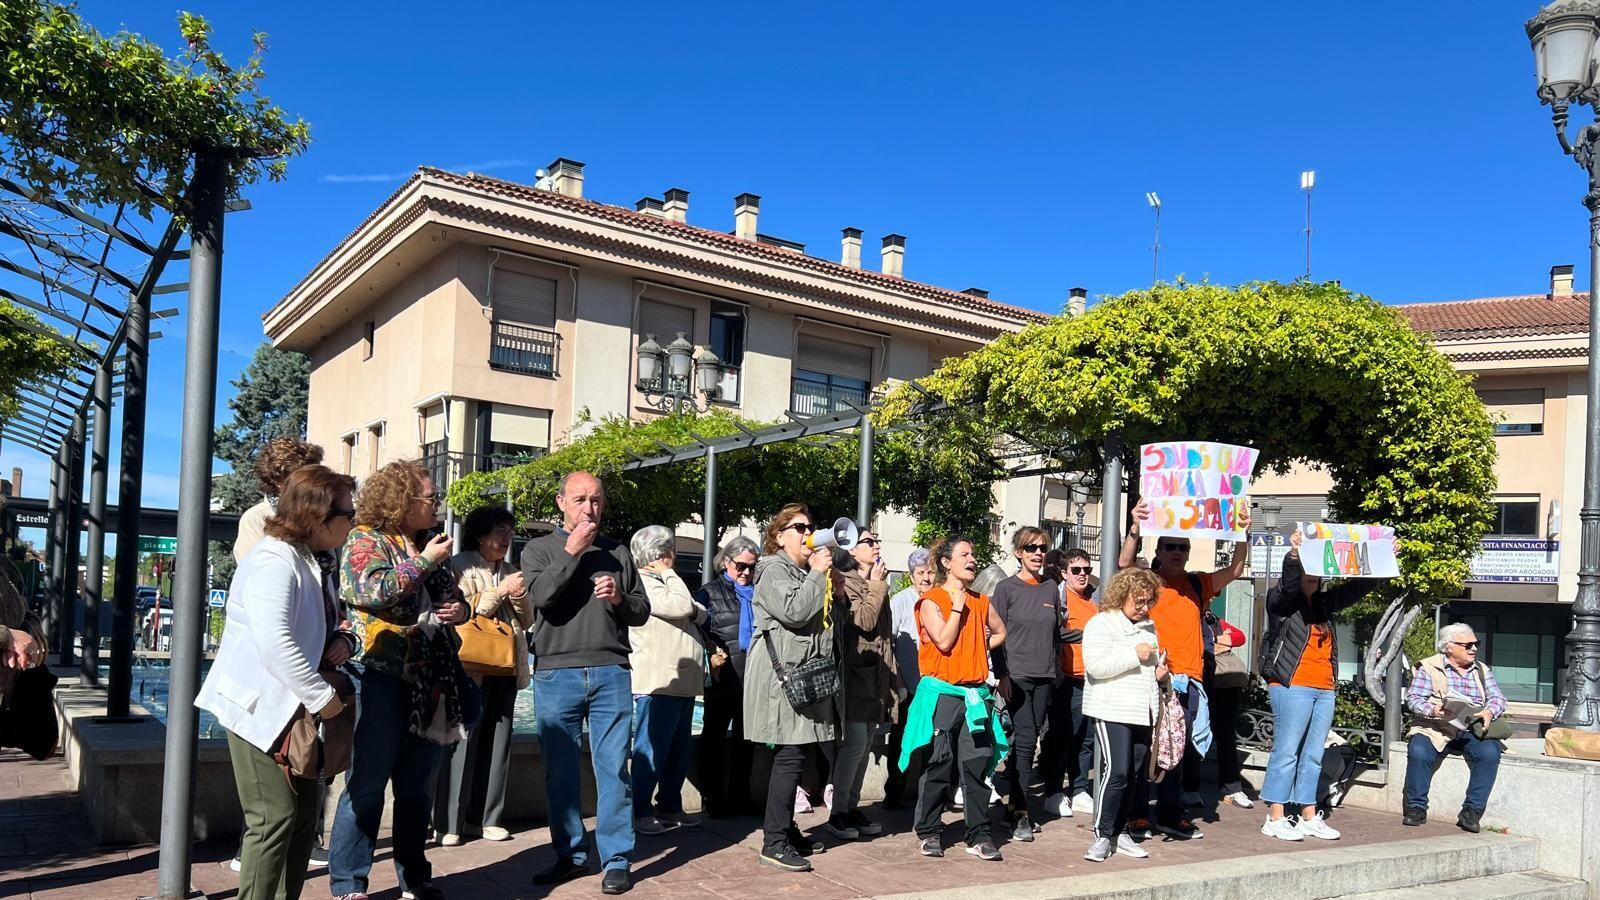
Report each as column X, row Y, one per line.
column 1420, row 698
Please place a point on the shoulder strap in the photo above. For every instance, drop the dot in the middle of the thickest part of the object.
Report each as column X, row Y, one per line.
column 1199, row 590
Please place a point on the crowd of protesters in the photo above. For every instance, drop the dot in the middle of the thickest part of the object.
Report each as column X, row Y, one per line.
column 1050, row 697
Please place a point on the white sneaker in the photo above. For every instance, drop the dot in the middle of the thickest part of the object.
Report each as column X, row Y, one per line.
column 1127, row 846
column 1100, row 850
column 1059, row 804
column 651, row 825
column 237, row 862
column 802, row 803
column 1083, row 803
column 1239, row 799
column 495, row 833
column 1318, row 828
column 450, row 840
column 1282, row 829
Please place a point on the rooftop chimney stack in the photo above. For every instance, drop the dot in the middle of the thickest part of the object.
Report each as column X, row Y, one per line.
column 746, row 208
column 16, row 481
column 650, row 206
column 894, row 255
column 850, row 248
column 566, row 177
column 1560, row 282
column 675, row 204
column 980, row 293
column 1077, row 301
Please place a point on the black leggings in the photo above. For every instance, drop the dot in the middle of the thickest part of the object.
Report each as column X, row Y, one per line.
column 1124, row 750
column 1030, row 709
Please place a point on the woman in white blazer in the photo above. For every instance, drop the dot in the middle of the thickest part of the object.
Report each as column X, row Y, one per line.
column 281, row 635
column 1123, row 668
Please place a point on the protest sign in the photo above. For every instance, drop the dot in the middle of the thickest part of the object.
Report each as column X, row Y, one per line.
column 1331, row 550
column 1196, row 489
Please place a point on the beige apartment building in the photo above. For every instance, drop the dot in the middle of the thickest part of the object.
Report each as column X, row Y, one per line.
column 474, row 322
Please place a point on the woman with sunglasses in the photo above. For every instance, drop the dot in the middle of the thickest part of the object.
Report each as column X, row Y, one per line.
column 867, row 669
column 724, row 756
column 792, row 624
column 1068, row 746
column 1026, row 666
column 279, row 650
column 1299, row 660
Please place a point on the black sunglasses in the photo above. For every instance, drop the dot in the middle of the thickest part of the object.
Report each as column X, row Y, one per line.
column 1174, row 548
column 1470, row 645
column 1034, row 548
column 802, row 527
column 1078, row 570
column 743, row 566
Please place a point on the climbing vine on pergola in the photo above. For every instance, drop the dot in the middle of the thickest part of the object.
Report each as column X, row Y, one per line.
column 1306, row 373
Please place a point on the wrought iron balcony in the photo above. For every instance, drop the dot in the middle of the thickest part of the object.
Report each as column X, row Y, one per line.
column 514, row 347
column 810, row 398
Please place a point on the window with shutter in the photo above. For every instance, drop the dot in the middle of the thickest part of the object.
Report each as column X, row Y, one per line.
column 1515, row 411
column 524, row 299
column 665, row 321
column 520, row 427
column 829, row 376
column 1057, row 501
column 828, row 357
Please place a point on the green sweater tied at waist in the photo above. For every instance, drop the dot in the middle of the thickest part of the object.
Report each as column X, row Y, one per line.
column 982, row 715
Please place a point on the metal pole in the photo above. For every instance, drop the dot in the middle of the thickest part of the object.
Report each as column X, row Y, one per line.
column 189, row 587
column 1308, row 234
column 708, row 518
column 1580, row 701
column 1155, row 251
column 1111, row 509
column 119, row 686
column 52, row 546
column 864, row 475
column 1391, row 698
column 71, row 596
column 99, row 463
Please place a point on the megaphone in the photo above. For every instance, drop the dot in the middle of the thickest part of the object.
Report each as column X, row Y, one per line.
column 842, row 534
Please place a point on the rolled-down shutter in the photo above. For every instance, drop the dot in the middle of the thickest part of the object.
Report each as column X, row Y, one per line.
column 1298, row 508
column 1515, row 407
column 433, row 424
column 524, row 299
column 829, row 357
column 1057, row 501
column 520, row 427
column 665, row 322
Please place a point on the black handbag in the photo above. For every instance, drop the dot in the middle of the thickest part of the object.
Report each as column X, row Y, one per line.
column 28, row 719
column 810, row 682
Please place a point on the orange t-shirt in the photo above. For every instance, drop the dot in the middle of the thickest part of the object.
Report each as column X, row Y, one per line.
column 1177, row 619
column 1316, row 661
column 968, row 661
column 1080, row 610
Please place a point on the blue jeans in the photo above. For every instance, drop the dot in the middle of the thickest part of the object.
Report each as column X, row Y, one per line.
column 1301, row 718
column 385, row 752
column 1483, row 764
column 662, row 728
column 563, row 699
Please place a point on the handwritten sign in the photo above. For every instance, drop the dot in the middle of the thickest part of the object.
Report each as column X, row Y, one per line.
column 1331, row 550
column 1196, row 489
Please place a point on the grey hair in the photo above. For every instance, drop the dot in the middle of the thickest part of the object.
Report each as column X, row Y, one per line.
column 651, row 543
column 919, row 558
column 1450, row 633
column 733, row 549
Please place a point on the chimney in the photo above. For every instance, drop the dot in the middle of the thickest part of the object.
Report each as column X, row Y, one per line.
column 850, row 248
column 980, row 293
column 650, row 206
column 675, row 204
column 894, row 254
column 566, row 177
column 16, row 481
column 746, row 207
column 1077, row 301
column 1560, row 282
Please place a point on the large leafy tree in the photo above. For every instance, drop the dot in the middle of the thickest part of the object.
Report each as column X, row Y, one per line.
column 1307, row 373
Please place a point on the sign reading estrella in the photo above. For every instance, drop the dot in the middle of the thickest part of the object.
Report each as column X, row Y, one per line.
column 1196, row 488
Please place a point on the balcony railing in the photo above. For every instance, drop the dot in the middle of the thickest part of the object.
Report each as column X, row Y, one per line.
column 808, row 398
column 445, row 467
column 514, row 347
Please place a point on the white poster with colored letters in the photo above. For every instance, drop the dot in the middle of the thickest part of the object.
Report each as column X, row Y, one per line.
column 1196, row 489
column 1331, row 550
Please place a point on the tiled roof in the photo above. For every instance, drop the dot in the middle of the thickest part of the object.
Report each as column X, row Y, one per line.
column 725, row 241
column 1492, row 317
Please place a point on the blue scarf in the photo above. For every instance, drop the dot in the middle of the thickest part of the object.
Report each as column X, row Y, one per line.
column 747, row 626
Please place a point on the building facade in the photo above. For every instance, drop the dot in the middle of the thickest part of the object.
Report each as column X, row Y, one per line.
column 474, row 322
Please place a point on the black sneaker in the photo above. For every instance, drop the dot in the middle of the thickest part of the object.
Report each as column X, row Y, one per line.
column 786, row 858
column 985, row 850
column 1182, row 830
column 615, row 881
column 319, row 855
column 805, row 846
column 564, row 870
column 863, row 825
column 840, row 827
column 1415, row 815
column 930, row 846
column 1469, row 818
column 1022, row 829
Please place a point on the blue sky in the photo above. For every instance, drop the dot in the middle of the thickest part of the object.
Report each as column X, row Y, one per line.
column 1012, row 147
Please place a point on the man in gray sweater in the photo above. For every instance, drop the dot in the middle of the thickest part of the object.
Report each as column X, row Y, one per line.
column 585, row 593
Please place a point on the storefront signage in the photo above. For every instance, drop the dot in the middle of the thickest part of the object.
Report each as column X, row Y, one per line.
column 1517, row 561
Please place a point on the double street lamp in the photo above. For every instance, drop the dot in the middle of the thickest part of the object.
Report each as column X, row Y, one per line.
column 1564, row 36
column 669, row 376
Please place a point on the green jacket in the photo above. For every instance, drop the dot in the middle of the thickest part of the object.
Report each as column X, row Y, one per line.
column 982, row 715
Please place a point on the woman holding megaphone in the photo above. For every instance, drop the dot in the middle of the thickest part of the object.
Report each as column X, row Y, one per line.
column 789, row 671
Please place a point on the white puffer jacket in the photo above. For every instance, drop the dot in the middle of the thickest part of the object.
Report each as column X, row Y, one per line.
column 1119, row 688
